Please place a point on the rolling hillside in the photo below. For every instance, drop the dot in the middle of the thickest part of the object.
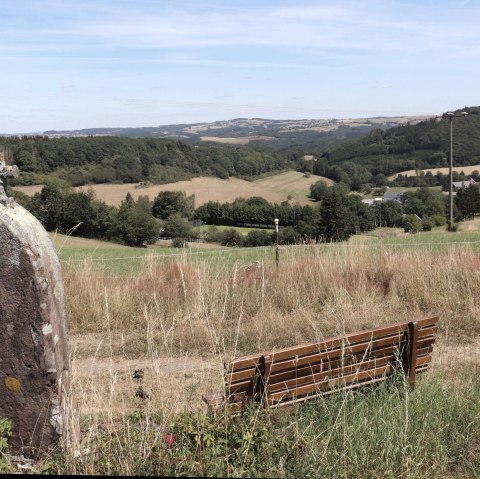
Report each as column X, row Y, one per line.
column 274, row 188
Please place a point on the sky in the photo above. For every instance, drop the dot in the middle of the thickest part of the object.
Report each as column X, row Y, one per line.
column 72, row 64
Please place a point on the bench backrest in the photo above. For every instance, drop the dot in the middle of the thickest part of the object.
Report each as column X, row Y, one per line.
column 293, row 374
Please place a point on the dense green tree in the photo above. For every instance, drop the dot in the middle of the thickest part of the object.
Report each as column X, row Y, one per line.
column 47, row 205
column 127, row 168
column 133, row 225
column 231, row 237
column 411, row 223
column 319, row 190
column 25, row 161
column 176, row 227
column 467, row 201
column 77, row 214
column 388, row 214
column 364, row 214
column 424, row 202
column 337, row 221
column 290, row 235
column 167, row 203
column 258, row 238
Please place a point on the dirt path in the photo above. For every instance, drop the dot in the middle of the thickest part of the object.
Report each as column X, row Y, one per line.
column 107, row 385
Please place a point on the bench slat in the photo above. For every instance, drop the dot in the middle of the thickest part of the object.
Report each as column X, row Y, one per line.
column 297, row 373
column 328, row 375
column 252, row 360
column 332, row 383
column 245, row 381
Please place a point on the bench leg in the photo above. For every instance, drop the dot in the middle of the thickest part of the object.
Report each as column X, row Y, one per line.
column 412, row 353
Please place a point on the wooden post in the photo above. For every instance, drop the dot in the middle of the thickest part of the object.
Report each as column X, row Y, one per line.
column 276, row 244
column 265, row 368
column 412, row 352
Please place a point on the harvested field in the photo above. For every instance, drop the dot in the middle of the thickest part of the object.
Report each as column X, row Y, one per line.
column 291, row 183
column 468, row 170
column 241, row 140
column 275, row 189
column 28, row 190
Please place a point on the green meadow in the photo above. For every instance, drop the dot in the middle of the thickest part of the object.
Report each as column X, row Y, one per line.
column 115, row 258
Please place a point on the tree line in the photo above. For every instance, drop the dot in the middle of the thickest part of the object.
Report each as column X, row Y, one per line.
column 358, row 162
column 108, row 159
column 372, row 158
column 141, row 222
column 336, row 216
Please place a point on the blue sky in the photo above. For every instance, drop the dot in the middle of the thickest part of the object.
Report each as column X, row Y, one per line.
column 68, row 64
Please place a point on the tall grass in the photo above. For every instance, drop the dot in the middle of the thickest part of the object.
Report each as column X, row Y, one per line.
column 383, row 432
column 200, row 308
column 177, row 321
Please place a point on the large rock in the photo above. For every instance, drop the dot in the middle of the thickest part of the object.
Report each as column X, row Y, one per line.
column 33, row 332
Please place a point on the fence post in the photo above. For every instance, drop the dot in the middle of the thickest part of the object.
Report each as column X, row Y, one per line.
column 276, row 244
column 412, row 352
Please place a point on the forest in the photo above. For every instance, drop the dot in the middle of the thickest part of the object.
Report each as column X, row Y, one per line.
column 366, row 160
column 109, row 159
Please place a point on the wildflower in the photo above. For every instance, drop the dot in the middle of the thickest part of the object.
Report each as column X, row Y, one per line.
column 170, row 439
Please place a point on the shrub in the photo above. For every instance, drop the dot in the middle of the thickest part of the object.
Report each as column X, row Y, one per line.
column 411, row 224
column 231, row 237
column 179, row 243
column 5, row 433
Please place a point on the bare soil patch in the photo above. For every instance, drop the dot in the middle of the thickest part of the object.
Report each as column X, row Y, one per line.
column 107, row 384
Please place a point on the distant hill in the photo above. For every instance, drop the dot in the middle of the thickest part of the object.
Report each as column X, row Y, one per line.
column 358, row 152
column 275, row 134
column 414, row 145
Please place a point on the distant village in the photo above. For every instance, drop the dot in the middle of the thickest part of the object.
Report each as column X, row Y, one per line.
column 398, row 195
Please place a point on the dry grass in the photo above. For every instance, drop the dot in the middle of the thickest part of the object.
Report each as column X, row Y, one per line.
column 198, row 308
column 275, row 189
column 292, row 183
column 466, row 169
column 240, row 140
column 179, row 321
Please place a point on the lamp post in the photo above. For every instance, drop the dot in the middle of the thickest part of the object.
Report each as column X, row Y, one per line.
column 276, row 242
column 450, row 115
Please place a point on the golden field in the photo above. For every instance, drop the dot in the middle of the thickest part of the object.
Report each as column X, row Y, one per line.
column 274, row 188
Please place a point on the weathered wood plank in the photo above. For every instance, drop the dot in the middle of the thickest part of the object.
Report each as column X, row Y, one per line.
column 296, row 373
column 252, row 360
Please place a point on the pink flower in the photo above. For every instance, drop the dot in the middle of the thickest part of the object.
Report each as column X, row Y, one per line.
column 170, row 439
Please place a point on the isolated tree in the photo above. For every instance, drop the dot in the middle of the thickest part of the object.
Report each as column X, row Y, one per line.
column 411, row 224
column 231, row 237
column 388, row 213
column 364, row 214
column 424, row 202
column 258, row 238
column 76, row 215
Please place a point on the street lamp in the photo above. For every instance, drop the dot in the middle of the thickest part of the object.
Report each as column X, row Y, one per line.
column 276, row 242
column 450, row 115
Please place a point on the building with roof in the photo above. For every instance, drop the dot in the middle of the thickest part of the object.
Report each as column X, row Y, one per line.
column 393, row 196
column 464, row 184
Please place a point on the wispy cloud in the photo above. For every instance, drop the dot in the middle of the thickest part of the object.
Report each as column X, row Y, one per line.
column 163, row 61
column 161, row 25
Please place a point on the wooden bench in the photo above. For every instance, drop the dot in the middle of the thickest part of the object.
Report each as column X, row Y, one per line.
column 297, row 373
